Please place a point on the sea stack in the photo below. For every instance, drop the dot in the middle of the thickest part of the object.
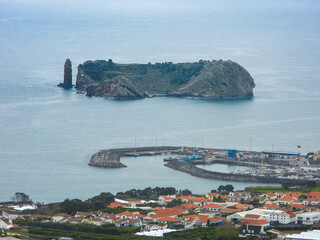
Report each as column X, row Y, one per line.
column 67, row 81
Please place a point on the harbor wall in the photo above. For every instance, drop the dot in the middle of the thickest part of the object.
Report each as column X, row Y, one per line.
column 110, row 158
column 199, row 172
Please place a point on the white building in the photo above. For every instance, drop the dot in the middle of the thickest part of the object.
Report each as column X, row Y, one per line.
column 7, row 214
column 307, row 218
column 280, row 216
column 310, row 235
column 265, row 214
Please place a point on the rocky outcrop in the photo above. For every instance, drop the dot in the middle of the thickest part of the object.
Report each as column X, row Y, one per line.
column 115, row 89
column 203, row 79
column 67, row 80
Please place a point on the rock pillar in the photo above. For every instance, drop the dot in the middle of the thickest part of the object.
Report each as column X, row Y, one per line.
column 67, row 81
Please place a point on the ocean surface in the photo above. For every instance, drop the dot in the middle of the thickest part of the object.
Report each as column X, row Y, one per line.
column 47, row 134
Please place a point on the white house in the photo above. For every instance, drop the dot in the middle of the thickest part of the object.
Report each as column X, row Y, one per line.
column 268, row 215
column 5, row 224
column 7, row 214
column 212, row 207
column 60, row 216
column 280, row 216
column 307, row 218
column 311, row 201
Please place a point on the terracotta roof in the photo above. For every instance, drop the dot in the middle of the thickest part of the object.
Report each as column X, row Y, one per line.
column 297, row 206
column 271, row 206
column 212, row 205
column 205, row 218
column 293, row 194
column 312, row 199
column 252, row 216
column 189, row 205
column 254, row 222
column 270, row 194
column 128, row 214
column 169, row 219
column 229, row 210
column 187, row 197
column 168, row 212
column 191, row 216
column 313, row 194
column 241, row 206
column 167, row 197
column 116, row 204
column 220, row 219
column 287, row 198
column 157, row 208
column 213, row 194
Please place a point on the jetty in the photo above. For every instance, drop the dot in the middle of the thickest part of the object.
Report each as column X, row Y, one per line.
column 110, row 158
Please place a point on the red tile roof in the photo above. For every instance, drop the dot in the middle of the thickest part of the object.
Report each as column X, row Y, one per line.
column 189, row 206
column 213, row 194
column 271, row 206
column 255, row 216
column 313, row 194
column 229, row 210
column 128, row 214
column 255, row 222
column 169, row 219
column 287, row 198
column 242, row 206
column 212, row 205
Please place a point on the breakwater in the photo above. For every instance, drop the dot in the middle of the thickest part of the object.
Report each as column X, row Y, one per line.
column 110, row 158
column 199, row 172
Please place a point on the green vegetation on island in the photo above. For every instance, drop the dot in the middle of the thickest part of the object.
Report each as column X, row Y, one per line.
column 204, row 79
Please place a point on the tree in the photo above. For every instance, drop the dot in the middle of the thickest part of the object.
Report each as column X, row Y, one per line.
column 174, row 202
column 20, row 197
column 186, row 192
column 98, row 205
column 227, row 188
column 226, row 232
column 104, row 197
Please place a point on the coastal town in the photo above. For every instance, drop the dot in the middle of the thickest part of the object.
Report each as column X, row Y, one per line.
column 269, row 214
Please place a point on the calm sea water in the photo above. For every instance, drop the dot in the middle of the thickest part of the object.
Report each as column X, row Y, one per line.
column 48, row 134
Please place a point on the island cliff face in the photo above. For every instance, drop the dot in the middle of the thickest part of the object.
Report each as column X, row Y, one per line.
column 67, row 78
column 203, row 79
